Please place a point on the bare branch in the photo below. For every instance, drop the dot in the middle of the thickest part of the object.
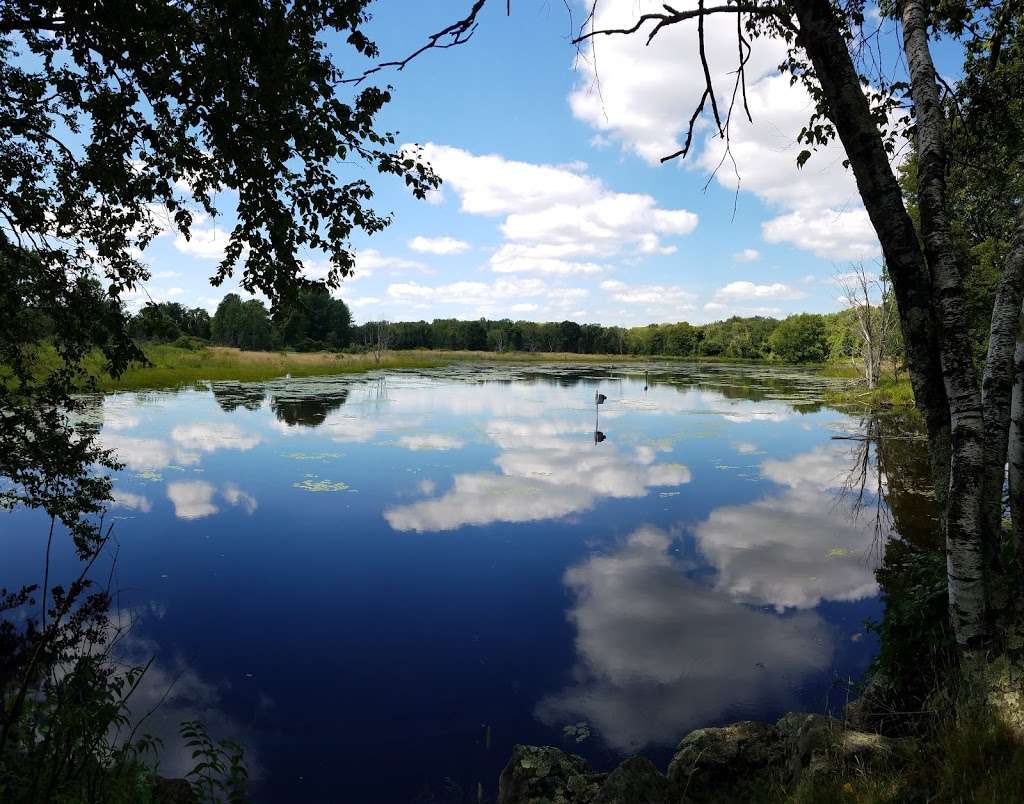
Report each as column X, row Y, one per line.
column 707, row 68
column 458, row 33
column 671, row 16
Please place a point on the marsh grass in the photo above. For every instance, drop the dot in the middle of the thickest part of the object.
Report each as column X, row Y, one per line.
column 174, row 367
column 186, row 364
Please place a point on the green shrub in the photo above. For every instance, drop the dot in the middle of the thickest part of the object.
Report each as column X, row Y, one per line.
column 191, row 343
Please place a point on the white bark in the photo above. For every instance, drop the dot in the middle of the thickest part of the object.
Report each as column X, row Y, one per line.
column 965, row 552
column 1016, row 441
column 998, row 380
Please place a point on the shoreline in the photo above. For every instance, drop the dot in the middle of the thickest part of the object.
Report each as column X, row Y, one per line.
column 175, row 367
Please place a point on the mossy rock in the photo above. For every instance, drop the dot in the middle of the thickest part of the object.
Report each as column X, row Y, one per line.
column 547, row 775
column 727, row 763
column 637, row 781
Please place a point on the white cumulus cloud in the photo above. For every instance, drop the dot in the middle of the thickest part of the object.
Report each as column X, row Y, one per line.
column 438, row 245
column 558, row 219
column 742, row 289
column 642, row 96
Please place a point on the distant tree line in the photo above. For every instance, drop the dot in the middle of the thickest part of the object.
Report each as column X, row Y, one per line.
column 316, row 321
column 801, row 338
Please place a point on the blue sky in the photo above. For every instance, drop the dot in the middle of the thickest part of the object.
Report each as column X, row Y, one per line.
column 554, row 204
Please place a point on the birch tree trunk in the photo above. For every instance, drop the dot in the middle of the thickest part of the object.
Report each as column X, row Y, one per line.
column 965, row 546
column 998, row 383
column 849, row 111
column 1016, row 444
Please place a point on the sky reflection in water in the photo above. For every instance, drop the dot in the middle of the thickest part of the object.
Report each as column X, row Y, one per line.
column 360, row 576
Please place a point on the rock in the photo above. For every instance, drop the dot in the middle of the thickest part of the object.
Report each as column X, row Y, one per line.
column 871, row 710
column 547, row 775
column 1000, row 681
column 173, row 791
column 721, row 762
column 636, row 781
column 820, row 744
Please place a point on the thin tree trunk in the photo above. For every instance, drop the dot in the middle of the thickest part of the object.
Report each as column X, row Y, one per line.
column 1016, row 444
column 965, row 545
column 857, row 129
column 998, row 381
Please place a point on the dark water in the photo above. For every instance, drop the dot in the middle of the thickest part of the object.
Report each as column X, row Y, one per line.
column 380, row 584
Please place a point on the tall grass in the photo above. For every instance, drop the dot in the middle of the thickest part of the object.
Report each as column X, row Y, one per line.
column 888, row 392
column 172, row 366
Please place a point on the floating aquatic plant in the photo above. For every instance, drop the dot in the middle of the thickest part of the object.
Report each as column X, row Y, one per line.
column 312, row 484
column 312, row 456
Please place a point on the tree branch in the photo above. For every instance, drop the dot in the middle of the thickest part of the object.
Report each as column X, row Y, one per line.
column 458, row 33
column 671, row 16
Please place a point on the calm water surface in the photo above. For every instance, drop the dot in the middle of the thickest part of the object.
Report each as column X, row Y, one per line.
column 381, row 583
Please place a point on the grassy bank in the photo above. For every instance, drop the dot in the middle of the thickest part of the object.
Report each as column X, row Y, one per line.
column 890, row 392
column 174, row 367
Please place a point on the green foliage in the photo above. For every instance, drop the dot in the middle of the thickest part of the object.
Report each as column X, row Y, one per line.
column 245, row 325
column 168, row 321
column 800, row 339
column 190, row 343
column 806, row 339
column 313, row 321
column 64, row 726
column 916, row 641
column 219, row 774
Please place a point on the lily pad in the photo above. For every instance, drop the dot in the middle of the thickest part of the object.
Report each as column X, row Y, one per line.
column 310, row 484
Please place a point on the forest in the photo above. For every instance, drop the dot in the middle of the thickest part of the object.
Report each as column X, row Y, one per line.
column 319, row 322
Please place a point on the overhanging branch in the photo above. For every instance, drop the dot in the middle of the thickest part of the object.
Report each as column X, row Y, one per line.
column 458, row 33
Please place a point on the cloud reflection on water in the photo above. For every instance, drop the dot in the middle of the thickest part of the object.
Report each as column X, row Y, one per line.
column 797, row 547
column 194, row 499
column 658, row 652
column 544, row 475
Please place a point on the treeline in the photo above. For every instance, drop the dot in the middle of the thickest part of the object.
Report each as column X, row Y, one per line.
column 801, row 338
column 313, row 322
column 318, row 322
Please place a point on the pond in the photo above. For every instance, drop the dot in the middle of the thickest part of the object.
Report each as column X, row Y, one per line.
column 381, row 583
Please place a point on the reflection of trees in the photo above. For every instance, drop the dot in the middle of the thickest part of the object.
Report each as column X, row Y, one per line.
column 802, row 389
column 570, row 376
column 308, row 411
column 890, row 473
column 231, row 396
column 903, row 460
